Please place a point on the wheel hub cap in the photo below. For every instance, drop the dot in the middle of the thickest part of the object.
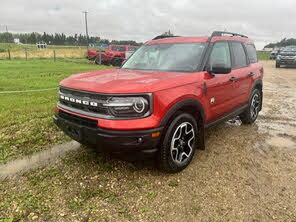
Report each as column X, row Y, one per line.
column 255, row 104
column 182, row 142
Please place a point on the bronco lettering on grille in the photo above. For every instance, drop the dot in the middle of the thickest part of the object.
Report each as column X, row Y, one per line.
column 78, row 101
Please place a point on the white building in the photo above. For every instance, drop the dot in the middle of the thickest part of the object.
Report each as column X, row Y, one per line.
column 16, row 41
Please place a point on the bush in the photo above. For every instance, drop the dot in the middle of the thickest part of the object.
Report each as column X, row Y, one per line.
column 2, row 50
column 263, row 55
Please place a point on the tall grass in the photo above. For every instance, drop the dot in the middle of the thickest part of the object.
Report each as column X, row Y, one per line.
column 45, row 53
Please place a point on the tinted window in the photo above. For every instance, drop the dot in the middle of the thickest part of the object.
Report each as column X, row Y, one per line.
column 118, row 48
column 239, row 55
column 220, row 54
column 252, row 54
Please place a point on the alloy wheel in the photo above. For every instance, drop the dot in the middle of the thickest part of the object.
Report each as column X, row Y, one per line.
column 182, row 143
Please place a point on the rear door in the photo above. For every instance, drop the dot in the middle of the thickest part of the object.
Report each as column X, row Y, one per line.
column 242, row 73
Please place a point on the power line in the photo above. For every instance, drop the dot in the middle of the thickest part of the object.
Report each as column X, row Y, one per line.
column 86, row 28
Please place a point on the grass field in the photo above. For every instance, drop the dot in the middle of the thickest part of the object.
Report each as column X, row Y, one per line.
column 263, row 55
column 26, row 125
column 18, row 51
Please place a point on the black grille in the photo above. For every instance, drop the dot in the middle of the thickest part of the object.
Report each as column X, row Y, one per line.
column 86, row 96
column 78, row 120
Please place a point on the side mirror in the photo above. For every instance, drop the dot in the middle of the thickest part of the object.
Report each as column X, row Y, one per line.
column 219, row 69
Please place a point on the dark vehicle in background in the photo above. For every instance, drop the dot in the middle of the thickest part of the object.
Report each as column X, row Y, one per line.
column 286, row 57
column 274, row 53
column 115, row 54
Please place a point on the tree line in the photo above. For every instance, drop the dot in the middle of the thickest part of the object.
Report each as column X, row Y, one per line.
column 284, row 42
column 59, row 39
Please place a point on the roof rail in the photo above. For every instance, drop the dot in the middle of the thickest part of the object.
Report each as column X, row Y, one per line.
column 164, row 36
column 219, row 33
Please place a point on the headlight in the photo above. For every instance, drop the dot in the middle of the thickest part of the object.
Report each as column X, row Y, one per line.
column 278, row 57
column 131, row 106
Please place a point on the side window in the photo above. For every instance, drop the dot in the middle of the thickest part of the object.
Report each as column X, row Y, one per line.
column 220, row 55
column 252, row 53
column 239, row 55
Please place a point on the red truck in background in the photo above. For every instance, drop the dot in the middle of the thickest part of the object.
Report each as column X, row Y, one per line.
column 115, row 54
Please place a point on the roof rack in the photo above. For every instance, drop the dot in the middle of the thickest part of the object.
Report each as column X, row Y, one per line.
column 219, row 33
column 164, row 36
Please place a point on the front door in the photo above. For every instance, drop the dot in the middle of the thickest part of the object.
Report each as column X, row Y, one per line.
column 220, row 94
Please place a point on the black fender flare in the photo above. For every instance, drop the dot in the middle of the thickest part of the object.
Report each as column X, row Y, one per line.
column 200, row 120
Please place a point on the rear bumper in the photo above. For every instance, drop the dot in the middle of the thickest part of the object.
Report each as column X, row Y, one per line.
column 110, row 140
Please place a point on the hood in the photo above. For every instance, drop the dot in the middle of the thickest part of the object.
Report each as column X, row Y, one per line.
column 128, row 81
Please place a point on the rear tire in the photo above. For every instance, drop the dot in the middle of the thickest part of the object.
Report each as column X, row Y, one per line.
column 277, row 65
column 250, row 115
column 178, row 144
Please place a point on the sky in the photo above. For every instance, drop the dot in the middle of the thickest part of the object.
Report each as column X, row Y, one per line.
column 264, row 21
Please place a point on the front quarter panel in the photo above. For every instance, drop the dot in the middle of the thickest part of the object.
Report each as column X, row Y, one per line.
column 164, row 100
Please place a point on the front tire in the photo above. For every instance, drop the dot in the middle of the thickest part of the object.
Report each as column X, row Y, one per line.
column 277, row 65
column 250, row 115
column 116, row 62
column 178, row 144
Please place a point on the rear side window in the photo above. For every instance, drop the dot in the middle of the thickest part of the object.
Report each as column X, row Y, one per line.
column 252, row 53
column 220, row 55
column 239, row 55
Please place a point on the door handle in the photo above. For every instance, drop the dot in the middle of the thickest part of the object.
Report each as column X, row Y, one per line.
column 251, row 74
column 233, row 79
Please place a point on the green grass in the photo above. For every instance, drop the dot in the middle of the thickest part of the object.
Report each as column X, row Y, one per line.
column 26, row 118
column 15, row 47
column 263, row 55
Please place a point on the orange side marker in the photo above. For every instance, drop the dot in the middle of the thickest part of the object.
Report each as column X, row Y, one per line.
column 156, row 134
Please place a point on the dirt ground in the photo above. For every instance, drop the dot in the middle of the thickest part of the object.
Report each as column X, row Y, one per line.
column 246, row 173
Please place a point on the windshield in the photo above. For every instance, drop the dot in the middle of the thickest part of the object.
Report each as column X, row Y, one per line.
column 132, row 48
column 118, row 48
column 290, row 49
column 178, row 57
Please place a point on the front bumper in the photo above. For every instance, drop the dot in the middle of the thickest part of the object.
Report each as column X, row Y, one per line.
column 286, row 62
column 109, row 140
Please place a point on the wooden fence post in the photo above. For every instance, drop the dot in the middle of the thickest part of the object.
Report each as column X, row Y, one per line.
column 54, row 55
column 26, row 54
column 100, row 57
column 9, row 56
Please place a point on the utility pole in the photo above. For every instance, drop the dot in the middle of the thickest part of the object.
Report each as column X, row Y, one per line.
column 6, row 28
column 86, row 29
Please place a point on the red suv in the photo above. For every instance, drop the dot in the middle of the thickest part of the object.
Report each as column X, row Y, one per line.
column 115, row 54
column 164, row 97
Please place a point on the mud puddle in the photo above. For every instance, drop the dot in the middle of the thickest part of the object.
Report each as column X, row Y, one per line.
column 37, row 160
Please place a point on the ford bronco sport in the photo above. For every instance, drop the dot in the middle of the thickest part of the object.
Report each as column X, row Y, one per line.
column 164, row 97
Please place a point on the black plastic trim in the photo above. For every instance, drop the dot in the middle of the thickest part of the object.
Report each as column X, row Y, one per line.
column 230, row 115
column 111, row 140
column 178, row 106
column 221, row 33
